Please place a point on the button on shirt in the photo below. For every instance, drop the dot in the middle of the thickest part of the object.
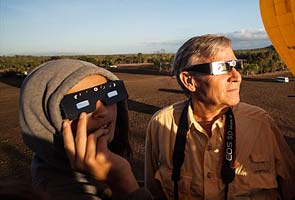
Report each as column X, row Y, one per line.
column 262, row 155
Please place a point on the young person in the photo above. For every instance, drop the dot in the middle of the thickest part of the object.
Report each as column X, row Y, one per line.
column 74, row 118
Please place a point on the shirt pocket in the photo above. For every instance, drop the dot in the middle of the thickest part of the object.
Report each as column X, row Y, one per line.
column 260, row 163
column 261, row 174
column 258, row 174
column 184, row 184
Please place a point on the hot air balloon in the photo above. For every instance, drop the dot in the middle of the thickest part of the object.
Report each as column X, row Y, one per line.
column 278, row 17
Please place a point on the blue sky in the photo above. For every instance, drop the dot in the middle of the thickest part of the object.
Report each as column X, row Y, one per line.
column 42, row 27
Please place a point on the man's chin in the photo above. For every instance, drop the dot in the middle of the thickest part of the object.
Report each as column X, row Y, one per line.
column 234, row 103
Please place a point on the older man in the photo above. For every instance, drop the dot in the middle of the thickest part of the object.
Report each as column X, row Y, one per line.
column 211, row 146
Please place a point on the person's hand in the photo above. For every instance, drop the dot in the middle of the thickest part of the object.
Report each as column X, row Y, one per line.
column 86, row 153
column 90, row 154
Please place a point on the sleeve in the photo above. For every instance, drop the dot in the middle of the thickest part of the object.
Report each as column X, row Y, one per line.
column 151, row 160
column 284, row 164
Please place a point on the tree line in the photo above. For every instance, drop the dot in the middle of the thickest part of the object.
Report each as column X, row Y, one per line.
column 259, row 61
column 256, row 61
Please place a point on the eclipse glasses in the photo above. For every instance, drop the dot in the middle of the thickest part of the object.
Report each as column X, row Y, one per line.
column 217, row 67
column 72, row 105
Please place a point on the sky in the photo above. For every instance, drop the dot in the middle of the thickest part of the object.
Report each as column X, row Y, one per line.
column 71, row 27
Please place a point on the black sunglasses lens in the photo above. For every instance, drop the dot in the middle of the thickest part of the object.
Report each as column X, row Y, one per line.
column 239, row 65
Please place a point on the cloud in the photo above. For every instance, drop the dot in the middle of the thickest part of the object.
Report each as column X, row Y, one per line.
column 242, row 39
column 248, row 38
column 248, row 34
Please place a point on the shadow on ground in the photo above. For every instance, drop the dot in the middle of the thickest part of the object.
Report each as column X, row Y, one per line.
column 171, row 90
column 142, row 107
column 17, row 163
column 12, row 81
column 259, row 79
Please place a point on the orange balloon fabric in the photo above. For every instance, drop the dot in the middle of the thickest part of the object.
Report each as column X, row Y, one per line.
column 278, row 17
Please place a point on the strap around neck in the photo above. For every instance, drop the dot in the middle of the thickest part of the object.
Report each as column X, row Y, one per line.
column 228, row 166
column 179, row 148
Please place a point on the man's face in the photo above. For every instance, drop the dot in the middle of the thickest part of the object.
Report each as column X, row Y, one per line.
column 219, row 90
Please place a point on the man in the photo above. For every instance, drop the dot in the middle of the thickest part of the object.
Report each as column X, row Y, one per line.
column 211, row 146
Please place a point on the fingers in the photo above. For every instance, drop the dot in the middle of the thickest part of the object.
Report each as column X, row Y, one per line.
column 75, row 144
column 102, row 144
column 69, row 143
column 97, row 155
column 81, row 140
column 80, row 148
column 96, row 143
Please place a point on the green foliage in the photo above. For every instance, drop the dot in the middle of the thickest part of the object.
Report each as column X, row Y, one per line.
column 255, row 61
column 163, row 61
column 108, row 60
column 20, row 64
column 88, row 59
column 259, row 61
column 139, row 58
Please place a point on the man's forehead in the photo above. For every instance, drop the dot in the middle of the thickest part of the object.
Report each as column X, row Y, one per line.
column 218, row 53
column 224, row 55
column 200, row 60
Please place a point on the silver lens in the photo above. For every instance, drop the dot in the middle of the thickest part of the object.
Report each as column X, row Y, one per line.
column 221, row 67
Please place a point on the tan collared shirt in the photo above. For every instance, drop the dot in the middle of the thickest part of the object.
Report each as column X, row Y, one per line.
column 262, row 156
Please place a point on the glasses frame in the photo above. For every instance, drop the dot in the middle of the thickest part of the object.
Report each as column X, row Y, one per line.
column 217, row 67
column 72, row 105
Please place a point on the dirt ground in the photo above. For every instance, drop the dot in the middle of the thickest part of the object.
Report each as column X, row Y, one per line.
column 147, row 94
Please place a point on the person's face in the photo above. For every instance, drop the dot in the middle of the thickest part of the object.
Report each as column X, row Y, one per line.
column 220, row 90
column 104, row 116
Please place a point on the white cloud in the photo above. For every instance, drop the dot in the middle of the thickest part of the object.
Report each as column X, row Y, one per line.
column 242, row 39
column 248, row 38
column 248, row 34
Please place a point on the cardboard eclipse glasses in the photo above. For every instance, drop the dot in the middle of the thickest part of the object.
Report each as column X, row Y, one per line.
column 72, row 105
column 217, row 67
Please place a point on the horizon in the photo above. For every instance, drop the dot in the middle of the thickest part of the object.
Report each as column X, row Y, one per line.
column 114, row 54
column 113, row 27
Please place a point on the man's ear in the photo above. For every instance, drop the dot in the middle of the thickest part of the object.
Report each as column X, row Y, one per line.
column 188, row 81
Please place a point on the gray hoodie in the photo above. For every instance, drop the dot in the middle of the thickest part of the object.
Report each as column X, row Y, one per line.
column 40, row 115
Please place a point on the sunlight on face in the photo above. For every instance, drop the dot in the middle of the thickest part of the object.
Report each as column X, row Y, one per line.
column 104, row 116
column 88, row 82
column 220, row 90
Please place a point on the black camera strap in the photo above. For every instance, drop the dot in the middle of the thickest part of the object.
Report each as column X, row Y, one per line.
column 179, row 148
column 228, row 167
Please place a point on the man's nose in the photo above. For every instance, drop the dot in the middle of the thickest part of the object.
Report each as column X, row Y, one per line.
column 235, row 75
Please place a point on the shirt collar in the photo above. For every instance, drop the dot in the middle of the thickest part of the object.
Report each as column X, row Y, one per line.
column 192, row 122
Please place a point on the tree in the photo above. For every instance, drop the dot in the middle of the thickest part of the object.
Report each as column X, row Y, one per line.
column 139, row 58
column 88, row 59
column 107, row 61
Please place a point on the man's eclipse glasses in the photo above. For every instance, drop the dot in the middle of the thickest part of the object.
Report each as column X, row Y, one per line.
column 72, row 105
column 217, row 67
